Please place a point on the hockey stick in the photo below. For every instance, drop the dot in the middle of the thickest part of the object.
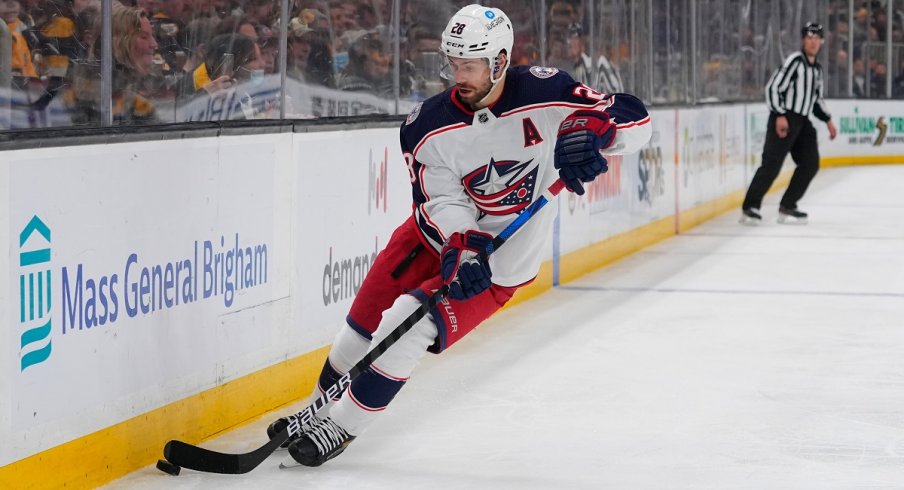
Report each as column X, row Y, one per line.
column 187, row 455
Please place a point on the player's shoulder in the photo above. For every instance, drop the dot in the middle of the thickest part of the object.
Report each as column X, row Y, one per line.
column 537, row 84
column 429, row 115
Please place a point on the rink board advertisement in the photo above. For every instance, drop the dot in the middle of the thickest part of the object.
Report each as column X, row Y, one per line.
column 636, row 190
column 129, row 268
column 712, row 151
column 138, row 274
column 353, row 191
column 252, row 100
column 865, row 129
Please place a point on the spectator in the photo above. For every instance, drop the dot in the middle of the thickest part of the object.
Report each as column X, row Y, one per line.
column 87, row 26
column 897, row 86
column 20, row 64
column 59, row 46
column 878, row 74
column 421, row 67
column 268, row 41
column 194, row 39
column 133, row 50
column 309, row 57
column 168, row 21
column 237, row 25
column 216, row 9
column 231, row 58
column 259, row 12
column 561, row 16
column 528, row 54
column 368, row 68
column 368, row 19
column 344, row 28
column 342, row 17
column 314, row 19
column 859, row 78
column 149, row 6
column 838, row 74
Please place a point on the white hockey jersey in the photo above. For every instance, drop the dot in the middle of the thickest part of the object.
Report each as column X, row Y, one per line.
column 478, row 170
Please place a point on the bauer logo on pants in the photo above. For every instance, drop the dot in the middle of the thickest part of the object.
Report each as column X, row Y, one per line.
column 34, row 293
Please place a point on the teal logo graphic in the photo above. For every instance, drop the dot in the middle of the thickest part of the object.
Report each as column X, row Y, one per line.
column 34, row 293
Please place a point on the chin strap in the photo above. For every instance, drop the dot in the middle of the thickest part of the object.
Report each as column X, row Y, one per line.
column 495, row 82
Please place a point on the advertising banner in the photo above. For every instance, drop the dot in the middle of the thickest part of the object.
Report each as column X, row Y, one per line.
column 303, row 101
column 127, row 264
column 865, row 128
column 353, row 191
column 138, row 274
column 636, row 190
column 757, row 121
column 712, row 152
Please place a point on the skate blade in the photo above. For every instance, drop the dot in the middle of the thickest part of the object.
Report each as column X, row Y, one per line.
column 748, row 221
column 791, row 220
column 289, row 462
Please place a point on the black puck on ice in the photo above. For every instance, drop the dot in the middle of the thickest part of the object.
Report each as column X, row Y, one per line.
column 167, row 467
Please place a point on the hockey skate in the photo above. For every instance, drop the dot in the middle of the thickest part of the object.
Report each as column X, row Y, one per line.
column 750, row 216
column 281, row 423
column 320, row 444
column 791, row 216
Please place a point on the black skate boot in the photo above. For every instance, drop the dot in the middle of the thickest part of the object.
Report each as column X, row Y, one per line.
column 281, row 423
column 750, row 216
column 318, row 445
column 791, row 216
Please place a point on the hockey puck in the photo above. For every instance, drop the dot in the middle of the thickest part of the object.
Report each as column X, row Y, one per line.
column 167, row 467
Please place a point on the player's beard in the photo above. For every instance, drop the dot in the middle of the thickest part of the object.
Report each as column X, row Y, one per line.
column 473, row 94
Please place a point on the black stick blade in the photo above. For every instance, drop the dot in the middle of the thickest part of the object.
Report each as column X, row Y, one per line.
column 199, row 459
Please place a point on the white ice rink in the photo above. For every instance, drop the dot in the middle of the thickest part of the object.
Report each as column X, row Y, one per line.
column 725, row 358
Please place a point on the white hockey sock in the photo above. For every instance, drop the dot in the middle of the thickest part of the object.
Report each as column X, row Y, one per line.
column 396, row 363
column 348, row 348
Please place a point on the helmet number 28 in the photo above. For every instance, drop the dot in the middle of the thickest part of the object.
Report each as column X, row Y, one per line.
column 458, row 28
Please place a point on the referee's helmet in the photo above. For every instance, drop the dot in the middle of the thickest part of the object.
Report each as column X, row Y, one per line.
column 811, row 28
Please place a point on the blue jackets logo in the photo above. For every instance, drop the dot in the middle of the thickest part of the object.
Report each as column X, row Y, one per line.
column 34, row 293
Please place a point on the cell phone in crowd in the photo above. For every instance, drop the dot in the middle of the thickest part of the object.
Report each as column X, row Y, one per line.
column 227, row 65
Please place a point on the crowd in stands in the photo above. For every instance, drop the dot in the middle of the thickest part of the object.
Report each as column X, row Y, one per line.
column 868, row 29
column 167, row 53
column 171, row 51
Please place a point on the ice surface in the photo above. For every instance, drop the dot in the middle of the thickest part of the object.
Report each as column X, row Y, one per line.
column 725, row 358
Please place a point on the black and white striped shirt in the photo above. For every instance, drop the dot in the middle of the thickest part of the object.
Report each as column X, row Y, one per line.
column 797, row 87
column 608, row 81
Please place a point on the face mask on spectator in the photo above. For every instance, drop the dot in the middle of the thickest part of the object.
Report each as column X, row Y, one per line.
column 256, row 77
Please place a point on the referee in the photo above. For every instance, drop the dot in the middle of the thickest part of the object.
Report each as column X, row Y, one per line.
column 792, row 94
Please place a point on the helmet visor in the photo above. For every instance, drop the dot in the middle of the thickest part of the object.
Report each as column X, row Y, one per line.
column 470, row 67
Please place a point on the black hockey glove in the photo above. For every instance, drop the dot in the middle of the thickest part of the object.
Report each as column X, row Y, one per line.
column 577, row 156
column 464, row 264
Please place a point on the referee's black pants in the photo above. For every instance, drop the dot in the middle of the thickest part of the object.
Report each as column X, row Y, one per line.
column 801, row 142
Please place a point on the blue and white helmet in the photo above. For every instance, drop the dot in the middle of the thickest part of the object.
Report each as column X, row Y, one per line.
column 479, row 32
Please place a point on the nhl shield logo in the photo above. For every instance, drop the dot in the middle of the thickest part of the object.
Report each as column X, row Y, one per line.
column 414, row 113
column 483, row 118
column 543, row 72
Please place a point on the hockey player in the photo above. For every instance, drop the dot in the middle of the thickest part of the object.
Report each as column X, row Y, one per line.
column 477, row 155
